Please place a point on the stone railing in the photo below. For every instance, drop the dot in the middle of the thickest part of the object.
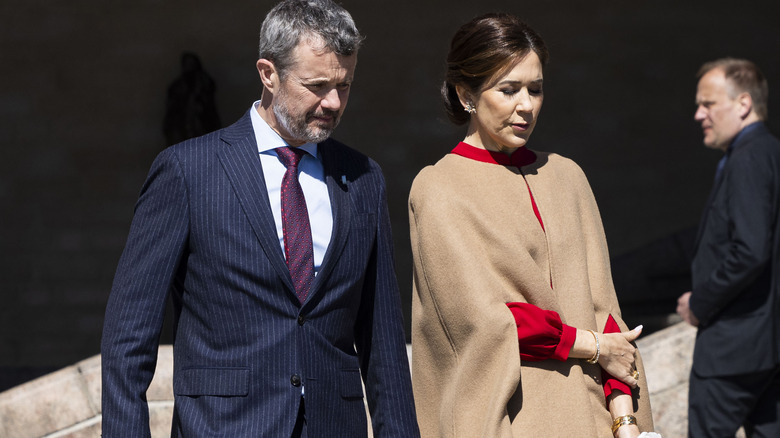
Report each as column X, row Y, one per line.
column 66, row 403
column 667, row 356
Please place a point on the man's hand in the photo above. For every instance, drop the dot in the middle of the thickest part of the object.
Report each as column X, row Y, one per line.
column 684, row 309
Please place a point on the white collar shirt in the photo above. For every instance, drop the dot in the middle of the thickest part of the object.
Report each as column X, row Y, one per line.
column 311, row 175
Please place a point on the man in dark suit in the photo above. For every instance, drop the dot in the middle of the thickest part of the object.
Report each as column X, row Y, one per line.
column 735, row 301
column 273, row 241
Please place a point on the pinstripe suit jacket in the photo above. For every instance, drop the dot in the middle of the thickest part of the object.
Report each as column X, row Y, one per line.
column 203, row 233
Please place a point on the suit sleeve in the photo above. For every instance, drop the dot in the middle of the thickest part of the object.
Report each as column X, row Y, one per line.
column 748, row 209
column 380, row 339
column 136, row 306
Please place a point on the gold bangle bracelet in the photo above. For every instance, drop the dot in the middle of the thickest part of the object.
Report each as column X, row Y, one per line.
column 622, row 420
column 595, row 357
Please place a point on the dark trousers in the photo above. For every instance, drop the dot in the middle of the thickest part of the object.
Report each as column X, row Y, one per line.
column 718, row 406
column 300, row 424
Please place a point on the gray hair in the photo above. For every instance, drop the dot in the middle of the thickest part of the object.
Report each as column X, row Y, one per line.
column 290, row 20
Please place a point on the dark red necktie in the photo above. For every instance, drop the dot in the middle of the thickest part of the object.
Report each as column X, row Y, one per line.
column 295, row 224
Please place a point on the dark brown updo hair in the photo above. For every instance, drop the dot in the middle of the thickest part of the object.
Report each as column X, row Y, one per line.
column 482, row 48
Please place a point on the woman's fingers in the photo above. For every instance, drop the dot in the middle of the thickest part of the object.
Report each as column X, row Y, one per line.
column 632, row 335
column 635, row 378
column 617, row 356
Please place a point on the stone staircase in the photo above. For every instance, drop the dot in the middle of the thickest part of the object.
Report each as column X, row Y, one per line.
column 66, row 403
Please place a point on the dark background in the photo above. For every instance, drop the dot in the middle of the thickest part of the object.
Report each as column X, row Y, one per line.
column 82, row 99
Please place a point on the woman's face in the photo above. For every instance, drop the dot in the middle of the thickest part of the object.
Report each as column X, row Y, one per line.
column 508, row 109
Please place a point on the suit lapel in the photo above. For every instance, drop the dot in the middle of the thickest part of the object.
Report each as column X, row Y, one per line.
column 339, row 201
column 745, row 137
column 239, row 158
column 705, row 213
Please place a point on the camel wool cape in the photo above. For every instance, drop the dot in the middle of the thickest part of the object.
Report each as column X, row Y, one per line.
column 478, row 245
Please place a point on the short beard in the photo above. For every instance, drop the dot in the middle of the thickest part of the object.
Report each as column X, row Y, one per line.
column 298, row 127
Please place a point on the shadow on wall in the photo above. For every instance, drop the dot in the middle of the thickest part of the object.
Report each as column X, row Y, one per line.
column 190, row 109
column 649, row 280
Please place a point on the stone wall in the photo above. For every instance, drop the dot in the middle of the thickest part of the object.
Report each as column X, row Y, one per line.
column 82, row 98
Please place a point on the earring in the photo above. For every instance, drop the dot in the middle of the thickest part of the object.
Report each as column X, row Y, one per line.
column 470, row 108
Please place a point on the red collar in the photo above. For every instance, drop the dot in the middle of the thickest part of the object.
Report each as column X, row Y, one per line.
column 520, row 157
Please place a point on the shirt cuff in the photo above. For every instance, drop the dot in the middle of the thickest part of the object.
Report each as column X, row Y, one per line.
column 568, row 336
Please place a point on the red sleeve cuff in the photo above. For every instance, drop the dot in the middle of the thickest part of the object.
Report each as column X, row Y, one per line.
column 612, row 384
column 540, row 333
column 568, row 336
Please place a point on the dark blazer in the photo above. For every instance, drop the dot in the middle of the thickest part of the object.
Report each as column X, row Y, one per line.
column 736, row 263
column 203, row 233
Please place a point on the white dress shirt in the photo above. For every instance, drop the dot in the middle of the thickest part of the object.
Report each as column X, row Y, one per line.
column 311, row 175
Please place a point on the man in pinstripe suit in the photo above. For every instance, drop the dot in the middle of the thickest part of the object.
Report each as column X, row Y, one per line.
column 255, row 354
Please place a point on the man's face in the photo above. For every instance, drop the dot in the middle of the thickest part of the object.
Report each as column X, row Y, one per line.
column 313, row 93
column 719, row 114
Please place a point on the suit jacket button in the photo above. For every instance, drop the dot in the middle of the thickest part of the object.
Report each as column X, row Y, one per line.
column 301, row 320
column 295, row 380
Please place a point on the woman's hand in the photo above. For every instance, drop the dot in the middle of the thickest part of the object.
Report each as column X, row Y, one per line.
column 617, row 355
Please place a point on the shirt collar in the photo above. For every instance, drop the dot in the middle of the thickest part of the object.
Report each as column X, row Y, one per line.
column 522, row 156
column 268, row 139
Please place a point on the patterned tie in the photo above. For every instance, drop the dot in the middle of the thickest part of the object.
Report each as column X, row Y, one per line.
column 295, row 224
